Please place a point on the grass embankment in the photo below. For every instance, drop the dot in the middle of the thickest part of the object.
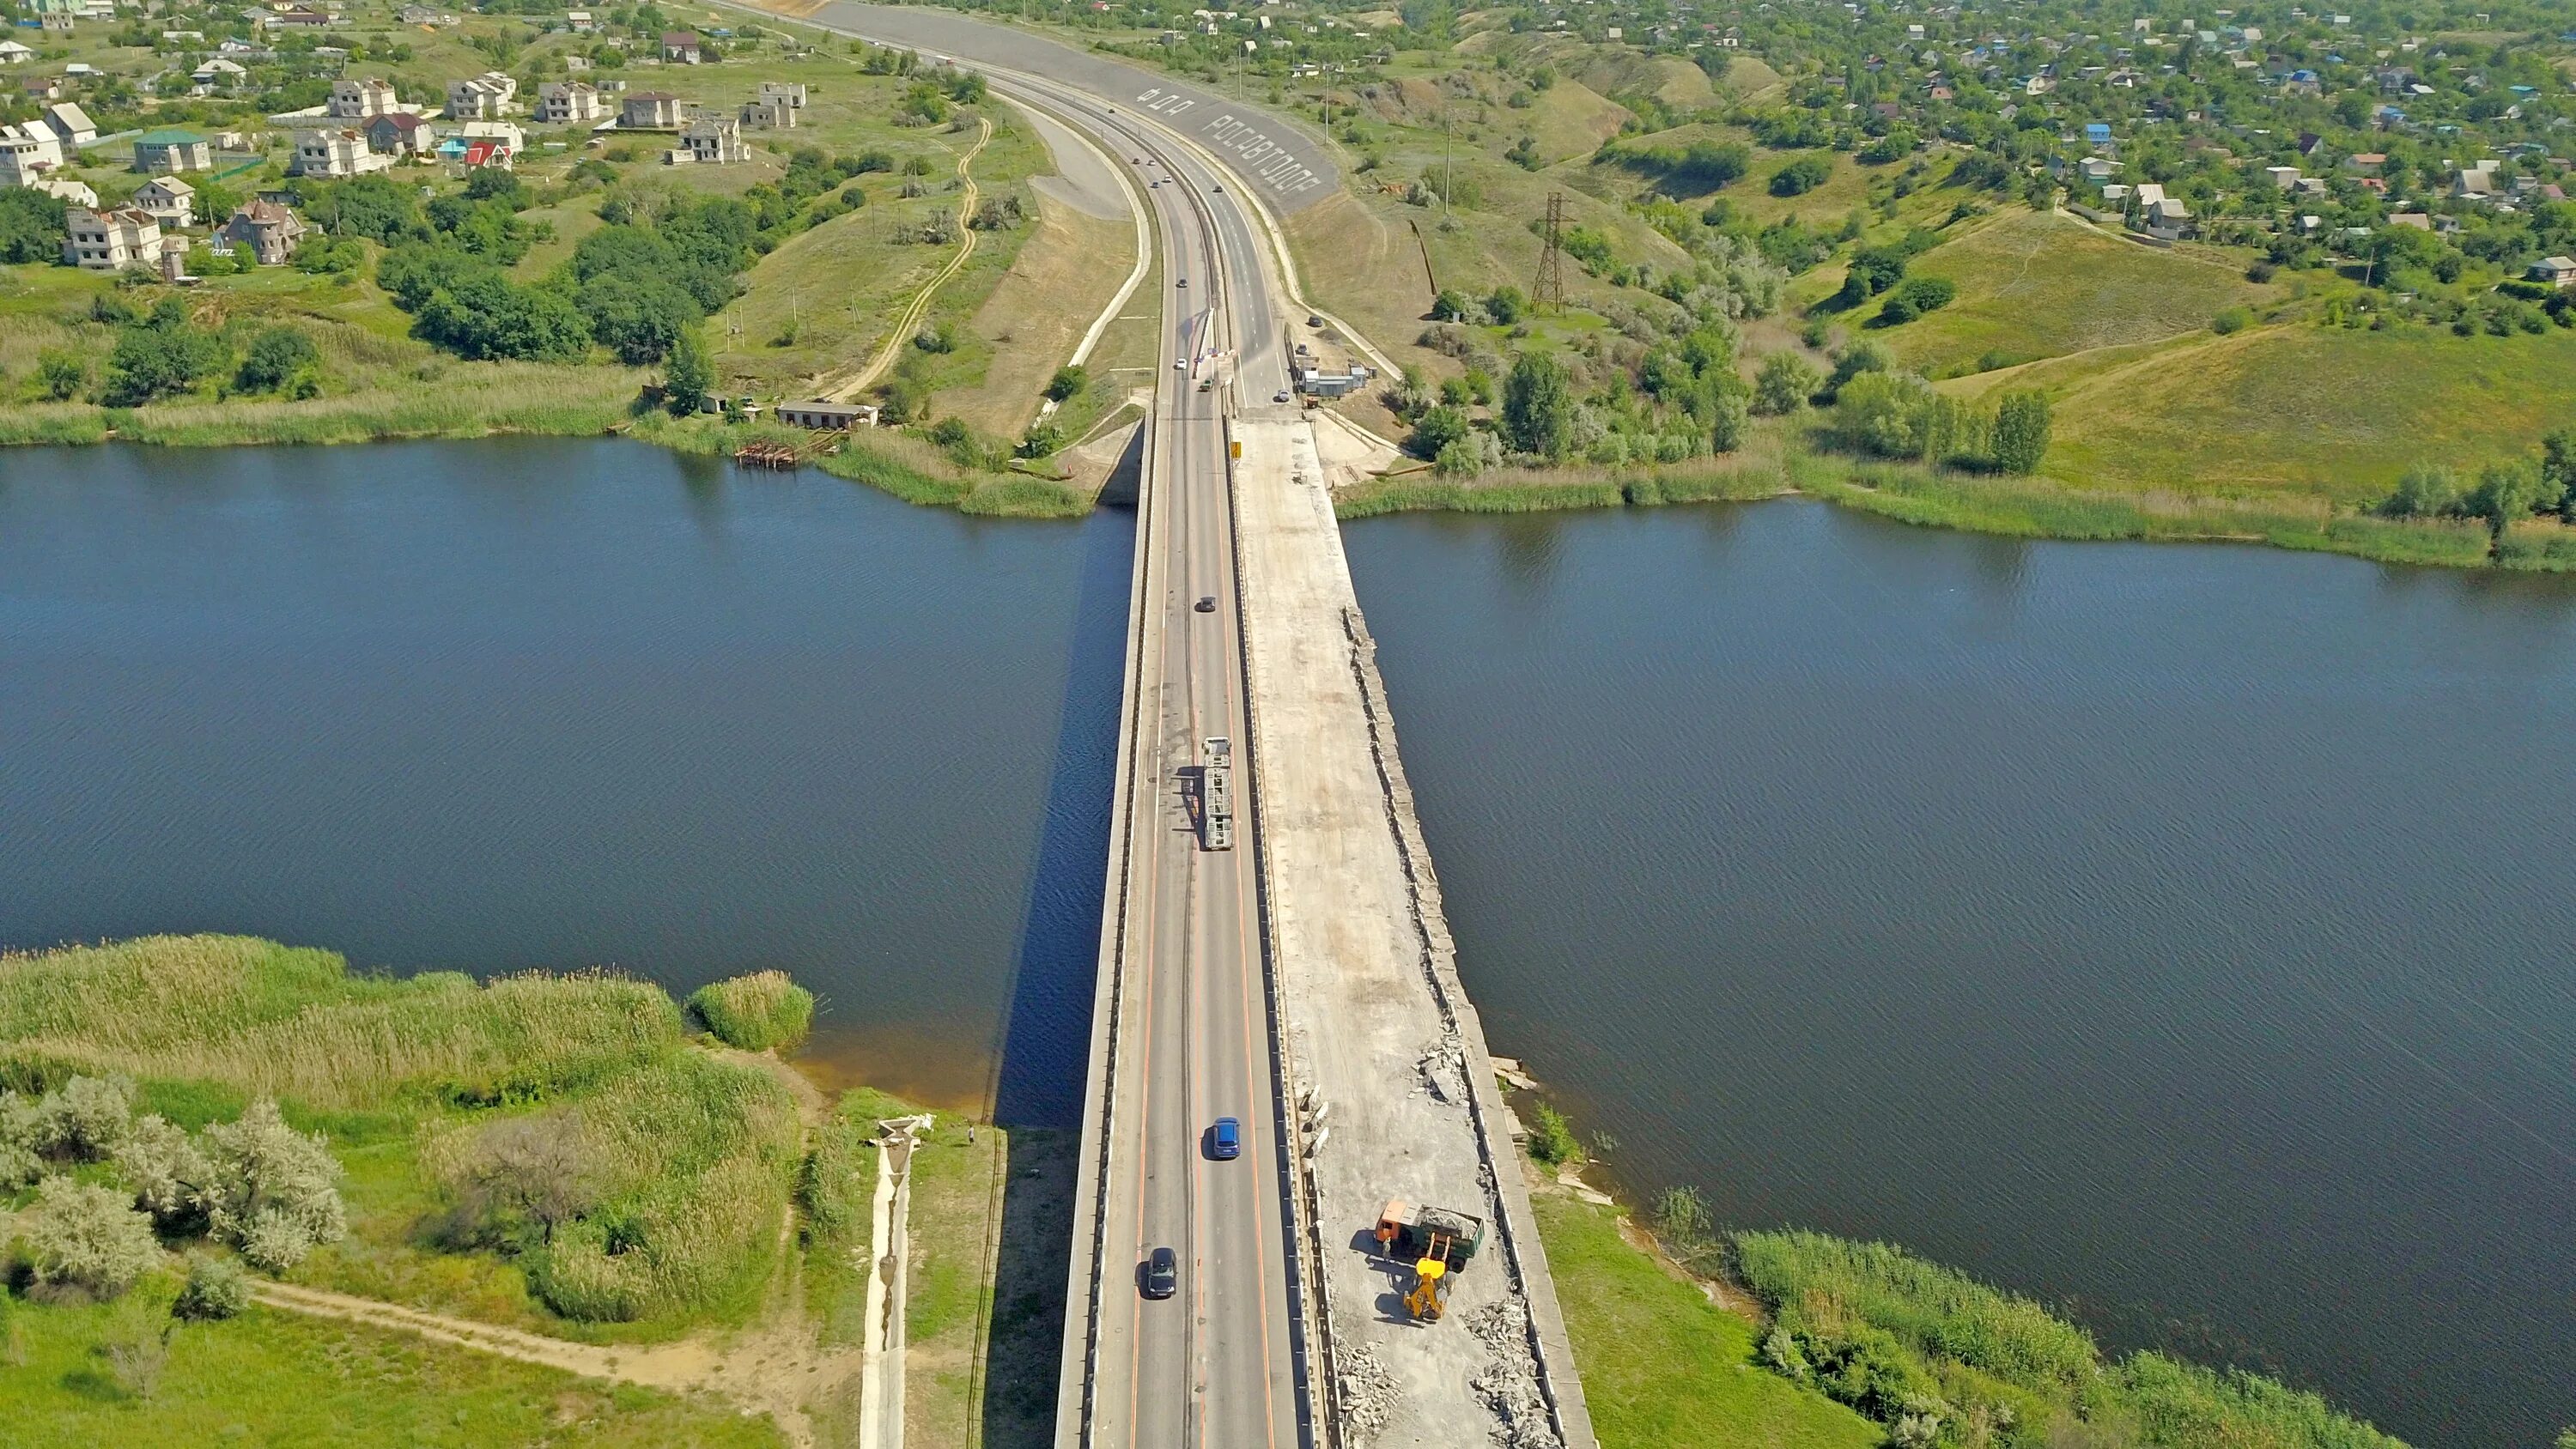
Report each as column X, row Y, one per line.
column 544, row 1152
column 1661, row 1364
column 1818, row 1341
column 910, row 468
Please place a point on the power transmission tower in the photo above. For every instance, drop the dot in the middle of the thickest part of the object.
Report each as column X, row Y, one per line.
column 1549, row 290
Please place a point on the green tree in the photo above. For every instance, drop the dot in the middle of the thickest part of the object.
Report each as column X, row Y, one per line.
column 1450, row 306
column 1800, row 176
column 484, row 314
column 2507, row 493
column 2021, row 431
column 638, row 318
column 1538, row 405
column 2426, row 491
column 164, row 355
column 271, row 1191
column 1438, row 428
column 690, row 374
column 1915, row 296
column 1784, row 384
column 1729, row 416
column 1067, row 383
column 61, row 373
column 280, row 359
column 2558, row 466
column 31, row 225
column 1507, row 305
column 216, row 1288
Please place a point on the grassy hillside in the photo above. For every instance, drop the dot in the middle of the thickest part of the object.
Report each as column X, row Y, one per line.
column 2332, row 413
column 2034, row 285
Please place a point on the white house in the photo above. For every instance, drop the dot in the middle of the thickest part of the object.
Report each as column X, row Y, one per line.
column 217, row 74
column 336, row 153
column 486, row 97
column 792, row 93
column 768, row 114
column 709, row 141
column 111, row 241
column 28, row 153
column 171, row 201
column 70, row 191
column 12, row 53
column 71, row 123
column 562, row 103
column 2284, row 177
column 360, row 100
column 497, row 142
column 653, row 111
column 2556, row 271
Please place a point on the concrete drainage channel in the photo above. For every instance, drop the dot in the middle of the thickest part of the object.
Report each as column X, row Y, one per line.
column 881, row 1340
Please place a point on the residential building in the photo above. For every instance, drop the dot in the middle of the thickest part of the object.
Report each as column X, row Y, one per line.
column 70, row 191
column 112, row 240
column 504, row 134
column 170, row 149
column 171, row 201
column 217, row 74
column 2283, row 177
column 830, row 416
column 12, row 53
column 681, row 47
column 790, row 92
column 652, row 111
column 2168, row 213
column 581, row 22
column 398, row 133
column 486, row 97
column 359, row 100
column 335, row 152
column 293, row 18
column 28, row 152
column 2474, row 185
column 710, row 141
column 270, row 229
column 563, row 103
column 42, row 88
column 2556, row 271
column 2365, row 163
column 71, row 123
column 767, row 114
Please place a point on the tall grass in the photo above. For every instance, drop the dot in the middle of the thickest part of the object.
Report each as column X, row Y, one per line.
column 263, row 1018
column 1898, row 1338
column 697, row 1157
column 757, row 1012
column 490, row 398
column 1538, row 490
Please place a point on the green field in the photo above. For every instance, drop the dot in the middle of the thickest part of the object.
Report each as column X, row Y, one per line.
column 277, row 1378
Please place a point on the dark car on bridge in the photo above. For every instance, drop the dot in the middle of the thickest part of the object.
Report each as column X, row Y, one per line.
column 1225, row 1140
column 1159, row 1276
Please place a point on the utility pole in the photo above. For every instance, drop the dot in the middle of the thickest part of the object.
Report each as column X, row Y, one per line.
column 1547, row 293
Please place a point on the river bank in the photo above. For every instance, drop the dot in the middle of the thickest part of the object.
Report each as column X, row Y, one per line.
column 1977, row 503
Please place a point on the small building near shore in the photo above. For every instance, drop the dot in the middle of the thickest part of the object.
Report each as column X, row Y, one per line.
column 828, row 416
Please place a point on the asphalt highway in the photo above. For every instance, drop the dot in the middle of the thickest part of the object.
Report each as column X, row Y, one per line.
column 1214, row 1365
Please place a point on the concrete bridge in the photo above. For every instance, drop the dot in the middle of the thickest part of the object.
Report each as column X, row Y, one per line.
column 1302, row 981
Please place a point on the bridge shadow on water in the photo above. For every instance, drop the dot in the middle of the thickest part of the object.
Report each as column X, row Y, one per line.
column 1043, row 1056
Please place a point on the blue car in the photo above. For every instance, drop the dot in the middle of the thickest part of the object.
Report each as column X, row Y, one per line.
column 1226, row 1142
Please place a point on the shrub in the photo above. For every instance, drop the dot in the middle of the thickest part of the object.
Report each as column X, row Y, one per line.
column 1785, row 383
column 2426, row 491
column 216, row 1288
column 165, row 1167
column 2231, row 319
column 757, row 1012
column 1915, row 296
column 85, row 1118
column 280, row 359
column 1067, row 382
column 1552, row 1138
column 272, row 1191
column 19, row 1164
column 1800, row 176
column 88, row 1238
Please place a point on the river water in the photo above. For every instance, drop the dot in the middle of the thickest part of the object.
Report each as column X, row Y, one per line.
column 514, row 704
column 2180, row 935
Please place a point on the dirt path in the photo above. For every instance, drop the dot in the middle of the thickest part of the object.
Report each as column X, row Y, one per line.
column 775, row 1366
column 913, row 312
